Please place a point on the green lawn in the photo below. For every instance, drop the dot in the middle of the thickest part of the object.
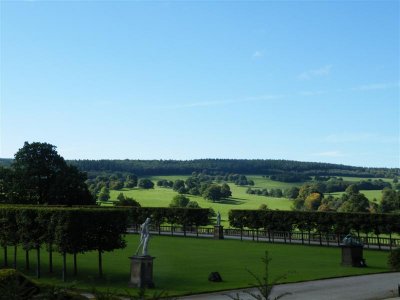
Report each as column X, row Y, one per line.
column 182, row 264
column 370, row 194
column 161, row 197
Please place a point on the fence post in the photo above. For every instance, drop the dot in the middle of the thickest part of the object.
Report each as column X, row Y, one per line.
column 379, row 241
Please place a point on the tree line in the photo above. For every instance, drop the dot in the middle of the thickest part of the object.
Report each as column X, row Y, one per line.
column 310, row 197
column 239, row 166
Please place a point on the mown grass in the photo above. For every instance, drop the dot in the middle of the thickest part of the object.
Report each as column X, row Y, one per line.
column 161, row 197
column 182, row 264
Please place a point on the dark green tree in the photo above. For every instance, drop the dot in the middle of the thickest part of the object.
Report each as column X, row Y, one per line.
column 146, row 183
column 213, row 192
column 43, row 177
column 104, row 194
column 179, row 201
column 225, row 191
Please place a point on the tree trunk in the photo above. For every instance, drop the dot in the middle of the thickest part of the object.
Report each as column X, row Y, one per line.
column 50, row 259
column 100, row 265
column 64, row 269
column 15, row 256
column 27, row 264
column 75, row 265
column 38, row 262
column 5, row 264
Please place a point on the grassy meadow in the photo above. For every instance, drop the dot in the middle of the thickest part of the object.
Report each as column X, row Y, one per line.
column 161, row 197
column 182, row 264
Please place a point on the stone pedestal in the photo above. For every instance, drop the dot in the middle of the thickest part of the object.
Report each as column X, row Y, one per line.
column 352, row 256
column 218, row 232
column 142, row 271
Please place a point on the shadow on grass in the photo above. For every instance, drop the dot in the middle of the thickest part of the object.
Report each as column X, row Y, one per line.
column 232, row 201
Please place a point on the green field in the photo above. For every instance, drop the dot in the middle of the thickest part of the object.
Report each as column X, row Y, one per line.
column 182, row 264
column 370, row 194
column 162, row 197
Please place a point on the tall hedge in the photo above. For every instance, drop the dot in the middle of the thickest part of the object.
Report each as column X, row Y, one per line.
column 323, row 222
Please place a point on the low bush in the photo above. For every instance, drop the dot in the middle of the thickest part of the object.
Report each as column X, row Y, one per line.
column 15, row 285
column 394, row 259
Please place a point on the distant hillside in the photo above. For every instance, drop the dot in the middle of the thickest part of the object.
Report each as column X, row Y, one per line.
column 241, row 166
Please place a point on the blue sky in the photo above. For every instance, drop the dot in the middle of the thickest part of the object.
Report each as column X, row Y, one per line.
column 309, row 81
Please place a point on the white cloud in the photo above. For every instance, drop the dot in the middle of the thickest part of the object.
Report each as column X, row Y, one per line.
column 321, row 72
column 375, row 86
column 258, row 54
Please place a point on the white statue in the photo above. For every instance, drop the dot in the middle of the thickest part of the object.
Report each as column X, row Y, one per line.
column 144, row 237
column 218, row 219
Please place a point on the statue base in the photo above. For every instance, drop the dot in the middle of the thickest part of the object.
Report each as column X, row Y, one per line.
column 218, row 232
column 142, row 271
column 352, row 256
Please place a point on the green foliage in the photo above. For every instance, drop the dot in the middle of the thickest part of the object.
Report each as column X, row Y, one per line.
column 394, row 260
column 145, row 183
column 179, row 201
column 14, row 285
column 212, row 193
column 104, row 194
column 390, row 200
column 39, row 175
column 313, row 201
column 125, row 201
column 354, row 202
column 352, row 189
column 173, row 215
column 318, row 221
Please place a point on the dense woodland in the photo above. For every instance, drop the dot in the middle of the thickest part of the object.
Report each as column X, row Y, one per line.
column 222, row 166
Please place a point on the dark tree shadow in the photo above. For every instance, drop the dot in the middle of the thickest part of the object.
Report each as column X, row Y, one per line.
column 233, row 201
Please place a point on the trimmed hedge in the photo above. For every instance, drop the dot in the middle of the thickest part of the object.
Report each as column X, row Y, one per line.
column 333, row 222
column 172, row 215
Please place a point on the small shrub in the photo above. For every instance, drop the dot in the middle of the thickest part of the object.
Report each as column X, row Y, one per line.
column 394, row 260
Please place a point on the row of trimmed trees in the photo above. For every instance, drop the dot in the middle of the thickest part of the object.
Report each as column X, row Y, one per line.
column 322, row 222
column 65, row 230
column 74, row 230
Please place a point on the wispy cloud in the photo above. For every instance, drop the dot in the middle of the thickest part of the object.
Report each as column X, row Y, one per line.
column 333, row 153
column 359, row 138
column 258, row 54
column 320, row 72
column 375, row 86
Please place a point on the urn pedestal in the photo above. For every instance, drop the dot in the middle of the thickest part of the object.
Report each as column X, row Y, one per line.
column 218, row 232
column 352, row 255
column 142, row 271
